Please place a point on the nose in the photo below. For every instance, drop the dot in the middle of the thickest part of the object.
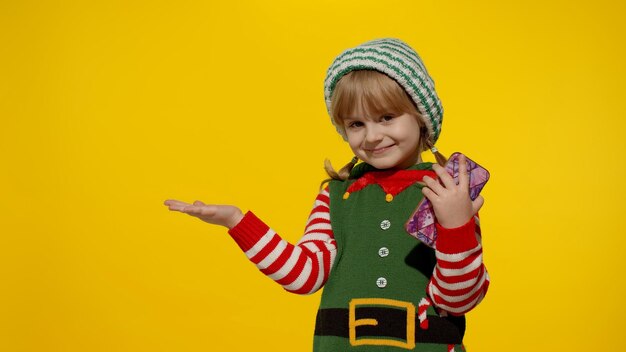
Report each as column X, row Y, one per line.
column 373, row 134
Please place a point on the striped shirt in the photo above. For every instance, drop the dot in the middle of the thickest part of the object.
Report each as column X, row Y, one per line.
column 459, row 281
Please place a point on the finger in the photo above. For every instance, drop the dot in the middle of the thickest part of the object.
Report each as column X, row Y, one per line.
column 185, row 208
column 444, row 176
column 198, row 203
column 433, row 185
column 463, row 173
column 170, row 202
column 200, row 210
column 192, row 210
column 477, row 204
column 174, row 201
column 429, row 194
column 175, row 204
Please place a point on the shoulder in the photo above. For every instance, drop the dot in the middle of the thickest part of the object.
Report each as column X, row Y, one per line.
column 334, row 186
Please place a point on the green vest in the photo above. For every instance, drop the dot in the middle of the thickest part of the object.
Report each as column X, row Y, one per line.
column 380, row 271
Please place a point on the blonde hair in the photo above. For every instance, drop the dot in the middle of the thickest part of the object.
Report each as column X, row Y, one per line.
column 376, row 94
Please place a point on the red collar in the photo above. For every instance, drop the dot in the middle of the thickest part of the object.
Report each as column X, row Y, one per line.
column 391, row 181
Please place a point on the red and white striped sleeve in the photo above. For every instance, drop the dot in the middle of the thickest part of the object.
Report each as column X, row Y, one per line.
column 302, row 268
column 460, row 279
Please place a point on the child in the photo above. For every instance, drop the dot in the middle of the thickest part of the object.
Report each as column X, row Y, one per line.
column 383, row 289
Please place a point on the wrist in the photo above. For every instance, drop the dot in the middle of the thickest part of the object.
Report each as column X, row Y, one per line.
column 457, row 239
column 455, row 223
column 234, row 219
column 248, row 231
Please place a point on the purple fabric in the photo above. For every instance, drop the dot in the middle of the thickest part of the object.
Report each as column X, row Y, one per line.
column 421, row 224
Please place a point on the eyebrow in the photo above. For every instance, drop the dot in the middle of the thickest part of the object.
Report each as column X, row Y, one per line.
column 354, row 118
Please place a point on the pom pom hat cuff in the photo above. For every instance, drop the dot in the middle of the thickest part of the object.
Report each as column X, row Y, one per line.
column 399, row 61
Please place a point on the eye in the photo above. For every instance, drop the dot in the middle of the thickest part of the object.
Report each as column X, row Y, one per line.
column 354, row 124
column 387, row 118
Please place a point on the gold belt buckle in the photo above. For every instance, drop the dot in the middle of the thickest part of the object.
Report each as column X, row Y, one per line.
column 410, row 322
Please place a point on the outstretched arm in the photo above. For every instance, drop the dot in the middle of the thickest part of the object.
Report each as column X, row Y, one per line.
column 301, row 268
column 224, row 215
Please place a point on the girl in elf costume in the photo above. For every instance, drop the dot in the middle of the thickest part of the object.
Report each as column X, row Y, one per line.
column 383, row 289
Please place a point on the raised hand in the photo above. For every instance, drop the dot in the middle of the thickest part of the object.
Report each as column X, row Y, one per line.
column 452, row 204
column 224, row 215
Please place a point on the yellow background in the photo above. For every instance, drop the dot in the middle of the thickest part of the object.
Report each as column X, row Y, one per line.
column 108, row 108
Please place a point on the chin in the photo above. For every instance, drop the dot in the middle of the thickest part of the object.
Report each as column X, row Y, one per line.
column 382, row 164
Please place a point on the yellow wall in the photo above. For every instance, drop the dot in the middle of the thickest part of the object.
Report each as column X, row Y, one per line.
column 108, row 108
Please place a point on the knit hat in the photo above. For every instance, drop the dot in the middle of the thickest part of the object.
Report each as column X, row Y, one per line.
column 399, row 61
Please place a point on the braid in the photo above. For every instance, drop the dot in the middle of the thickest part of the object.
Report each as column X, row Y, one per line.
column 342, row 175
column 441, row 160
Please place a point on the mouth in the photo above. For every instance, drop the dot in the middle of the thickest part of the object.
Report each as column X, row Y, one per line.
column 379, row 150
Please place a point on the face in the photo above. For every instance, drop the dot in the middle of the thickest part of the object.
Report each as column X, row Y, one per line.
column 387, row 141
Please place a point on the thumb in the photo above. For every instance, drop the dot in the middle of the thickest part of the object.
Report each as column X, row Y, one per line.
column 477, row 204
column 198, row 203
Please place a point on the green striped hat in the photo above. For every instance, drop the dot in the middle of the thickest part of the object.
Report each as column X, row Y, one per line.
column 399, row 61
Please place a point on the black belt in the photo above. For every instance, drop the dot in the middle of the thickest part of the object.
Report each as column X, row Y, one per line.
column 389, row 322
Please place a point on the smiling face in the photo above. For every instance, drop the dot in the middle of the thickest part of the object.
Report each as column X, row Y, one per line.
column 385, row 141
column 380, row 121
